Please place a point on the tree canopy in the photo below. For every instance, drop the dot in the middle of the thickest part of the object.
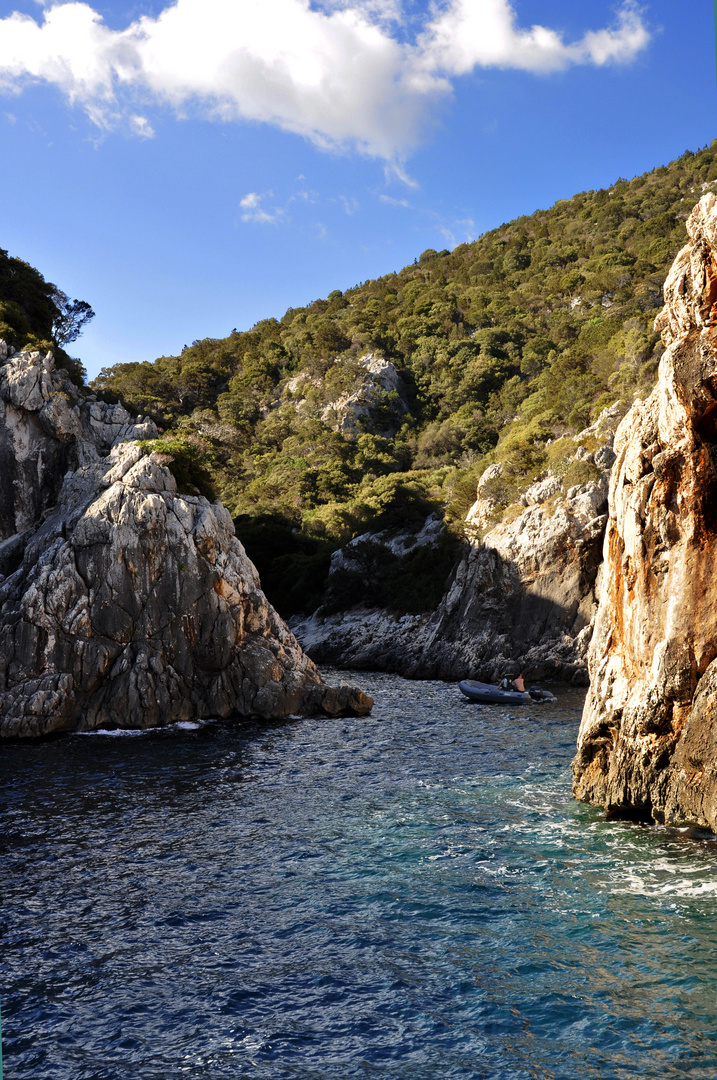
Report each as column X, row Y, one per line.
column 35, row 314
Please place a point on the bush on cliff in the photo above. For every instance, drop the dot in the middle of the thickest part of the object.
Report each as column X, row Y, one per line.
column 189, row 460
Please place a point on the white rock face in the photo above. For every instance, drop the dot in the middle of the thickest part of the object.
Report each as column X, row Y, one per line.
column 542, row 490
column 124, row 603
column 484, row 507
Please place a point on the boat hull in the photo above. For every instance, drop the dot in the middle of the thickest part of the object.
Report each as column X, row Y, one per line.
column 484, row 693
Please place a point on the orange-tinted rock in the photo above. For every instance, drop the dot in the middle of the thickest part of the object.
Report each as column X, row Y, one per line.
column 648, row 740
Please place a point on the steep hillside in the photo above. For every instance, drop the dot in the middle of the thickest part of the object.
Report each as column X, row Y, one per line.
column 385, row 404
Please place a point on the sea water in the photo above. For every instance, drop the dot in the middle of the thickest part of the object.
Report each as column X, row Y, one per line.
column 411, row 895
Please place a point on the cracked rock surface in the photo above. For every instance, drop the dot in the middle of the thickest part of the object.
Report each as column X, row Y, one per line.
column 124, row 603
column 647, row 746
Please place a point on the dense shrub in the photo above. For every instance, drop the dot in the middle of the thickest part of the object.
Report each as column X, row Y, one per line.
column 189, row 460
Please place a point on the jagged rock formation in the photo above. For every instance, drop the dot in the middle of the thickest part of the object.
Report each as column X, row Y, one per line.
column 522, row 598
column 648, row 740
column 124, row 603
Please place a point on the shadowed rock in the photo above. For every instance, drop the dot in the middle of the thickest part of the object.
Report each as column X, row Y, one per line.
column 648, row 740
column 124, row 603
column 520, row 599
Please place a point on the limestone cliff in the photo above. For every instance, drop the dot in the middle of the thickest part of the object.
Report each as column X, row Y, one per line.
column 648, row 740
column 124, row 603
column 521, row 598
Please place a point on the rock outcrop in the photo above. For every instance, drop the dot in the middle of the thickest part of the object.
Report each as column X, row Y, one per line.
column 377, row 379
column 124, row 603
column 647, row 746
column 522, row 598
column 354, row 392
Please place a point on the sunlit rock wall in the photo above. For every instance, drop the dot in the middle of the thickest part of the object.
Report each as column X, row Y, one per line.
column 648, row 740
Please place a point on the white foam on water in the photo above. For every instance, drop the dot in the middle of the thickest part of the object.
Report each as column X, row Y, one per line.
column 635, row 883
column 451, row 853
column 117, row 733
column 136, row 733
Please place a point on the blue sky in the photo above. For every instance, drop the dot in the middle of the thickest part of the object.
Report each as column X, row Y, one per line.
column 195, row 167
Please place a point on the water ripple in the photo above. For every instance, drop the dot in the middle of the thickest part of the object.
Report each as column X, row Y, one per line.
column 413, row 895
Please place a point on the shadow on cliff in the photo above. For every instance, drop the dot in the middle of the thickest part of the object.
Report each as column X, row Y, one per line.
column 489, row 623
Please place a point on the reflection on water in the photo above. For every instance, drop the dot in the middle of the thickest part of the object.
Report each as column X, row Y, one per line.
column 411, row 895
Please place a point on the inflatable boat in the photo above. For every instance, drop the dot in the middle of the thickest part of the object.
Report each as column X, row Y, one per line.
column 486, row 694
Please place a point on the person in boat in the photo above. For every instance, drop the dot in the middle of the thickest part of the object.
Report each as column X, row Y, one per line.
column 512, row 684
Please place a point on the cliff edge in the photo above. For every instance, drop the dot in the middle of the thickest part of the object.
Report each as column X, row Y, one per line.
column 124, row 603
column 647, row 746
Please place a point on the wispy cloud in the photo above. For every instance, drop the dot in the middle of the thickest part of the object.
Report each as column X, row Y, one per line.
column 141, row 126
column 253, row 211
column 342, row 75
column 389, row 199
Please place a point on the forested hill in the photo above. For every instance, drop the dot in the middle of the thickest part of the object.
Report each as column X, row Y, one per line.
column 501, row 347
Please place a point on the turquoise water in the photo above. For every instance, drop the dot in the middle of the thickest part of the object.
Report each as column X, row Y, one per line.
column 413, row 895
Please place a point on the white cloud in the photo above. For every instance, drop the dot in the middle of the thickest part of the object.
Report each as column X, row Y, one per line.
column 389, row 199
column 253, row 211
column 340, row 75
column 484, row 33
column 141, row 126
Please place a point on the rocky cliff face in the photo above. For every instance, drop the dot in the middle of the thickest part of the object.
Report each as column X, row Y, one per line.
column 648, row 739
column 124, row 603
column 522, row 598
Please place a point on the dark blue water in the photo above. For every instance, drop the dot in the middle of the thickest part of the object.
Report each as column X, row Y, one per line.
column 413, row 895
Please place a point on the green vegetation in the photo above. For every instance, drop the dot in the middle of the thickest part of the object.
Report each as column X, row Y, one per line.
column 409, row 583
column 503, row 345
column 189, row 459
column 35, row 314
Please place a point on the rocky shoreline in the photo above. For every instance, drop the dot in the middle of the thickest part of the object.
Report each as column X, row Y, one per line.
column 521, row 598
